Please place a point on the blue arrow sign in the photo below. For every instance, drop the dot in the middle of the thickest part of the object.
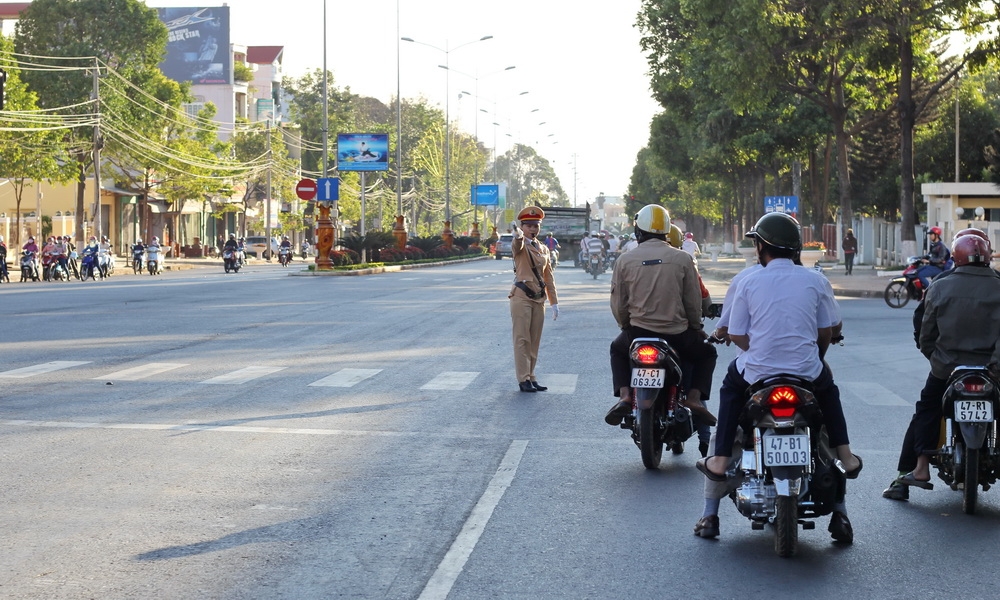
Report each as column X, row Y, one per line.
column 327, row 189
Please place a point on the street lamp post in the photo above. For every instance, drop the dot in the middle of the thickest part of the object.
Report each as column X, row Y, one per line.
column 447, row 234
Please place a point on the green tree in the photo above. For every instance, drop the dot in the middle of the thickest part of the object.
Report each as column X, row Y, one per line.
column 125, row 35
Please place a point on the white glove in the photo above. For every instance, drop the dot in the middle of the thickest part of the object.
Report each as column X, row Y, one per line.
column 555, row 312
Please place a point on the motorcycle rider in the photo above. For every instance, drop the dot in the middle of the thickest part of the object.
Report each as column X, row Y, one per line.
column 138, row 250
column 61, row 254
column 961, row 325
column 49, row 255
column 106, row 255
column 32, row 247
column 3, row 260
column 153, row 253
column 655, row 293
column 286, row 244
column 937, row 258
column 595, row 245
column 92, row 248
column 907, row 457
column 71, row 248
column 790, row 340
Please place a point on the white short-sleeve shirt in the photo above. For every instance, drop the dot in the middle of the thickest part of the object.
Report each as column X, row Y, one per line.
column 781, row 307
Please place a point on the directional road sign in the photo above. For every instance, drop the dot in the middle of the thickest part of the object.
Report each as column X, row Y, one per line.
column 327, row 189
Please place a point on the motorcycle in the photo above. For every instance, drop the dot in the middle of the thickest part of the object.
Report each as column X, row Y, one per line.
column 554, row 256
column 89, row 267
column 29, row 268
column 153, row 260
column 905, row 287
column 74, row 264
column 611, row 260
column 284, row 255
column 57, row 272
column 106, row 263
column 4, row 274
column 137, row 253
column 787, row 471
column 969, row 457
column 231, row 261
column 595, row 265
column 658, row 413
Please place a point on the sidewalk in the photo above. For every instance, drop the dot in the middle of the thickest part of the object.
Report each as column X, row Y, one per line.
column 864, row 283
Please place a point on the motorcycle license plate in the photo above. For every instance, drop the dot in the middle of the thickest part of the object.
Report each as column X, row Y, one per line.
column 973, row 411
column 786, row 450
column 647, row 378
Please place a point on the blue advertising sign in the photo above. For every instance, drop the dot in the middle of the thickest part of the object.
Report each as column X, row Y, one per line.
column 328, row 189
column 489, row 194
column 197, row 45
column 363, row 151
column 783, row 204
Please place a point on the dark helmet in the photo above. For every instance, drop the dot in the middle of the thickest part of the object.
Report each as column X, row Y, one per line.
column 778, row 230
column 970, row 250
column 976, row 232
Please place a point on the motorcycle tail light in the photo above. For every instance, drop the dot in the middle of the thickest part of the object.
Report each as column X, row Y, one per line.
column 646, row 355
column 782, row 402
column 973, row 385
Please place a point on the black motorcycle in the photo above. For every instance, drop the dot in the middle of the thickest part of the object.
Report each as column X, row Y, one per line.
column 970, row 457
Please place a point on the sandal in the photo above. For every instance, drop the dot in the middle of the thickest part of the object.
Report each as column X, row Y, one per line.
column 909, row 479
column 702, row 465
column 853, row 473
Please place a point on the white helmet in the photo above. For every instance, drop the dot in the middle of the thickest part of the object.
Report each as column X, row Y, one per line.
column 653, row 218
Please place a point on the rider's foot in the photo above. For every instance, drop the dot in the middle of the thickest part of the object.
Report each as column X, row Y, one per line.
column 618, row 412
column 699, row 410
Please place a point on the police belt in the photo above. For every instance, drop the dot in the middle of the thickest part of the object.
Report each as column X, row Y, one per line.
column 533, row 295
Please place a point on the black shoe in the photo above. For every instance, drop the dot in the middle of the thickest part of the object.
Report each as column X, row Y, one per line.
column 526, row 387
column 677, row 448
column 897, row 491
column 707, row 527
column 538, row 388
column 840, row 528
column 703, row 449
column 618, row 413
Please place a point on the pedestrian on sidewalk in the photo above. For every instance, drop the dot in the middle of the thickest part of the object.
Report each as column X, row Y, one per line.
column 850, row 246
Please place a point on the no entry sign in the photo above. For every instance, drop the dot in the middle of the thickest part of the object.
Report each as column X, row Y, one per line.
column 306, row 189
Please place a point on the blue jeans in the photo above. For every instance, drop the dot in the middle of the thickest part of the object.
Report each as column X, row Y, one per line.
column 926, row 273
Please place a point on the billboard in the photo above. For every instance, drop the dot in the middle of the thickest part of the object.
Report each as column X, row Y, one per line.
column 489, row 194
column 363, row 151
column 197, row 45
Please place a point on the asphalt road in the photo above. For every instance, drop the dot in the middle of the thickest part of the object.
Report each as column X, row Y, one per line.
column 202, row 435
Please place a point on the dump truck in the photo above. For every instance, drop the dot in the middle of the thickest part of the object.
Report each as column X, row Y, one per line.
column 568, row 226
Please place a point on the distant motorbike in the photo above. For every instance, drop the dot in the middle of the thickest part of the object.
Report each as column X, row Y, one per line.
column 56, row 271
column 284, row 255
column 611, row 259
column 137, row 252
column 231, row 261
column 89, row 267
column 970, row 456
column 153, row 260
column 905, row 287
column 594, row 265
column 554, row 257
column 29, row 267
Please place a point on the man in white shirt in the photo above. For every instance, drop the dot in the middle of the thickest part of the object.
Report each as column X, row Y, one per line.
column 690, row 246
column 783, row 317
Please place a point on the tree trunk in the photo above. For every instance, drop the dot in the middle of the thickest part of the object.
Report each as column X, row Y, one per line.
column 907, row 123
column 81, row 190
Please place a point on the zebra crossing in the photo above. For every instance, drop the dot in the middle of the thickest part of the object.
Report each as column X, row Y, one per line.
column 343, row 378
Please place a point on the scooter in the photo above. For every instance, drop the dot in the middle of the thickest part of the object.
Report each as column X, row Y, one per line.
column 29, row 267
column 231, row 260
column 89, row 267
column 905, row 287
column 153, row 259
column 137, row 253
column 284, row 255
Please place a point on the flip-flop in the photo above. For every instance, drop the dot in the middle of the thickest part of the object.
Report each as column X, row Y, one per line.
column 909, row 479
column 702, row 465
column 853, row 474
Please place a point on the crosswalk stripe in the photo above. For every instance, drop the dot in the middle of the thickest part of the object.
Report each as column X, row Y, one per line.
column 874, row 394
column 346, row 378
column 559, row 383
column 141, row 371
column 451, row 380
column 43, row 368
column 242, row 375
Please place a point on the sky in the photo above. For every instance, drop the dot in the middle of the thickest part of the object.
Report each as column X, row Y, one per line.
column 588, row 105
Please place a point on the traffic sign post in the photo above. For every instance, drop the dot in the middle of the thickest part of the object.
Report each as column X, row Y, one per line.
column 328, row 189
column 305, row 189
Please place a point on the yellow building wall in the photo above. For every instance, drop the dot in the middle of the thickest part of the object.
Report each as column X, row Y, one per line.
column 55, row 199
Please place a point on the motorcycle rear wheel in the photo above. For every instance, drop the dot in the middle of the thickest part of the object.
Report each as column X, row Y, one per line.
column 650, row 443
column 896, row 295
column 786, row 525
column 970, row 494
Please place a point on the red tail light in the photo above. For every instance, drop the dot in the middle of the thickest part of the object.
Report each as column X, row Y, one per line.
column 782, row 401
column 646, row 355
column 973, row 385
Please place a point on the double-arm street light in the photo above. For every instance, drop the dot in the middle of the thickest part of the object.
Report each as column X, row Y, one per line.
column 447, row 122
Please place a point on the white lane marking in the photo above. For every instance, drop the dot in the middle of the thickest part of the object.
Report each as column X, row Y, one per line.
column 458, row 554
column 43, row 368
column 559, row 383
column 243, row 375
column 451, row 380
column 346, row 378
column 141, row 371
column 874, row 394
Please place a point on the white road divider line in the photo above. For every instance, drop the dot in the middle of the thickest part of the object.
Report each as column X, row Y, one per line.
column 451, row 380
column 346, row 378
column 141, row 371
column 43, row 368
column 242, row 375
column 458, row 554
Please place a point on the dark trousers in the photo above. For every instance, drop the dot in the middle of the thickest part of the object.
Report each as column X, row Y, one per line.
column 926, row 422
column 849, row 262
column 732, row 399
column 690, row 345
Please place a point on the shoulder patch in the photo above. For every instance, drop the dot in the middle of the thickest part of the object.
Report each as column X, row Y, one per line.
column 652, row 262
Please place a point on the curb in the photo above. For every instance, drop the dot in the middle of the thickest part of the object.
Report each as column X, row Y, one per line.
column 385, row 269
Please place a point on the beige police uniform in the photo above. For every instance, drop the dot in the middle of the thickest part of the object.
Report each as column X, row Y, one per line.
column 527, row 300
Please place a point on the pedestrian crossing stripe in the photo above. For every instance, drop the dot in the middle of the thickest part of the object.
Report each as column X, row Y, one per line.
column 346, row 378
column 43, row 368
column 136, row 373
column 243, row 375
column 451, row 380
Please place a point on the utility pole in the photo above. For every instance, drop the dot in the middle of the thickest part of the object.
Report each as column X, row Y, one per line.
column 270, row 162
column 98, row 142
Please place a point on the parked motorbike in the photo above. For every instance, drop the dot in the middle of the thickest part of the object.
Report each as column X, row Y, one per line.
column 231, row 261
column 89, row 267
column 153, row 260
column 969, row 457
column 789, row 475
column 284, row 255
column 658, row 414
column 137, row 253
column 907, row 286
column 29, row 267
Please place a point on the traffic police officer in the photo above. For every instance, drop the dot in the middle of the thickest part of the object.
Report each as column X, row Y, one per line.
column 533, row 282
